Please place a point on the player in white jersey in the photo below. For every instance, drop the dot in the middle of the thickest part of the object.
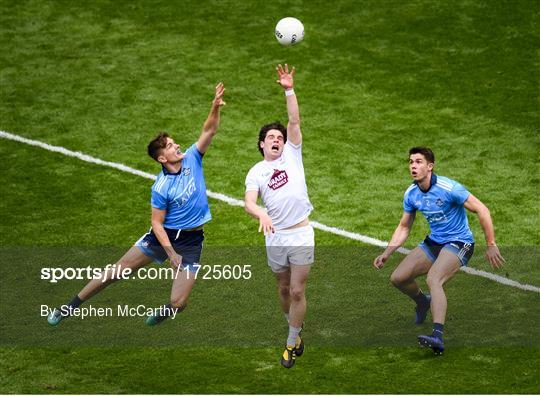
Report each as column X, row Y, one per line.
column 280, row 182
column 449, row 245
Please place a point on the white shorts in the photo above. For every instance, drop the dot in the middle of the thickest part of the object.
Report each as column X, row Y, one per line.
column 286, row 247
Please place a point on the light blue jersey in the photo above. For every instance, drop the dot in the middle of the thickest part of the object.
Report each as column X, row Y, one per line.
column 183, row 194
column 442, row 206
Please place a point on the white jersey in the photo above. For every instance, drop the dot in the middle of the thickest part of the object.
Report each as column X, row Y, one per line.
column 282, row 187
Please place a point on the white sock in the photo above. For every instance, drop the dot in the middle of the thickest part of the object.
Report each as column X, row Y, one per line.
column 293, row 333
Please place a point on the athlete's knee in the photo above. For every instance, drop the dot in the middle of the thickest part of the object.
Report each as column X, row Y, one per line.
column 284, row 291
column 397, row 278
column 297, row 292
column 434, row 281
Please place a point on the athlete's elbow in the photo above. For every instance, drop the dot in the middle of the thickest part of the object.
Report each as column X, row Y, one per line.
column 483, row 212
column 294, row 121
column 156, row 224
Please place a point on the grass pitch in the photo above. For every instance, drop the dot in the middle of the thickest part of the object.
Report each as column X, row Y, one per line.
column 374, row 78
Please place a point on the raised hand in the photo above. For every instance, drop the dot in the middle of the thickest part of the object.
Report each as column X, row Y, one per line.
column 286, row 79
column 218, row 98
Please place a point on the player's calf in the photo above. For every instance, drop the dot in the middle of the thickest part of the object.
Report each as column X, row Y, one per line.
column 423, row 302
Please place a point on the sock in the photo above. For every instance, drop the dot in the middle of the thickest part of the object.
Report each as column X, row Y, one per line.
column 420, row 298
column 65, row 309
column 167, row 311
column 76, row 302
column 438, row 329
column 293, row 333
column 286, row 316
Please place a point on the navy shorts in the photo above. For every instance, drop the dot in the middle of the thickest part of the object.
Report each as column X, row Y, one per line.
column 188, row 244
column 462, row 250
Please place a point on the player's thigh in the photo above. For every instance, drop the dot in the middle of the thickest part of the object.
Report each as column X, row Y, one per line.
column 299, row 276
column 444, row 268
column 416, row 263
column 134, row 259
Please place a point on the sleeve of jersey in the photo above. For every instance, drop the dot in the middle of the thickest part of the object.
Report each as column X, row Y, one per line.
column 460, row 194
column 194, row 152
column 158, row 201
column 294, row 151
column 251, row 182
column 407, row 206
column 297, row 147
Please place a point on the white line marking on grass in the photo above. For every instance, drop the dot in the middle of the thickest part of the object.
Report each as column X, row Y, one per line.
column 236, row 202
column 500, row 279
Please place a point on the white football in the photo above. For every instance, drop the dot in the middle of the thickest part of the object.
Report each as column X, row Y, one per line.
column 289, row 31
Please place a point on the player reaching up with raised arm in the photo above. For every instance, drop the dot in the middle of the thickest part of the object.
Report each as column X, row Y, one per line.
column 280, row 182
column 179, row 211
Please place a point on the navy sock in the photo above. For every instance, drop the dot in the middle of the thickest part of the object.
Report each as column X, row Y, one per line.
column 420, row 299
column 167, row 311
column 438, row 329
column 76, row 302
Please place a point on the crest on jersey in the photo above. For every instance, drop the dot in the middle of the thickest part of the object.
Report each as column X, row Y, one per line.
column 279, row 179
column 186, row 171
column 439, row 202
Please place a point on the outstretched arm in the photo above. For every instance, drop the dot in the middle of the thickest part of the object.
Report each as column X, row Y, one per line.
column 400, row 236
column 492, row 253
column 286, row 80
column 212, row 122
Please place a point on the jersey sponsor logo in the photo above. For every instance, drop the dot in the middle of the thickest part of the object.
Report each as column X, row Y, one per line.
column 435, row 217
column 278, row 179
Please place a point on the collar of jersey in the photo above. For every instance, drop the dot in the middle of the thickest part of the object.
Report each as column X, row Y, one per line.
column 274, row 161
column 166, row 172
column 431, row 183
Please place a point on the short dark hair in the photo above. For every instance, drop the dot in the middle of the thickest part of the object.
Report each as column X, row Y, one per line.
column 425, row 151
column 264, row 130
column 157, row 144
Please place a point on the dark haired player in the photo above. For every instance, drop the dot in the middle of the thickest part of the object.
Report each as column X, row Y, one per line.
column 179, row 211
column 449, row 246
column 280, row 182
